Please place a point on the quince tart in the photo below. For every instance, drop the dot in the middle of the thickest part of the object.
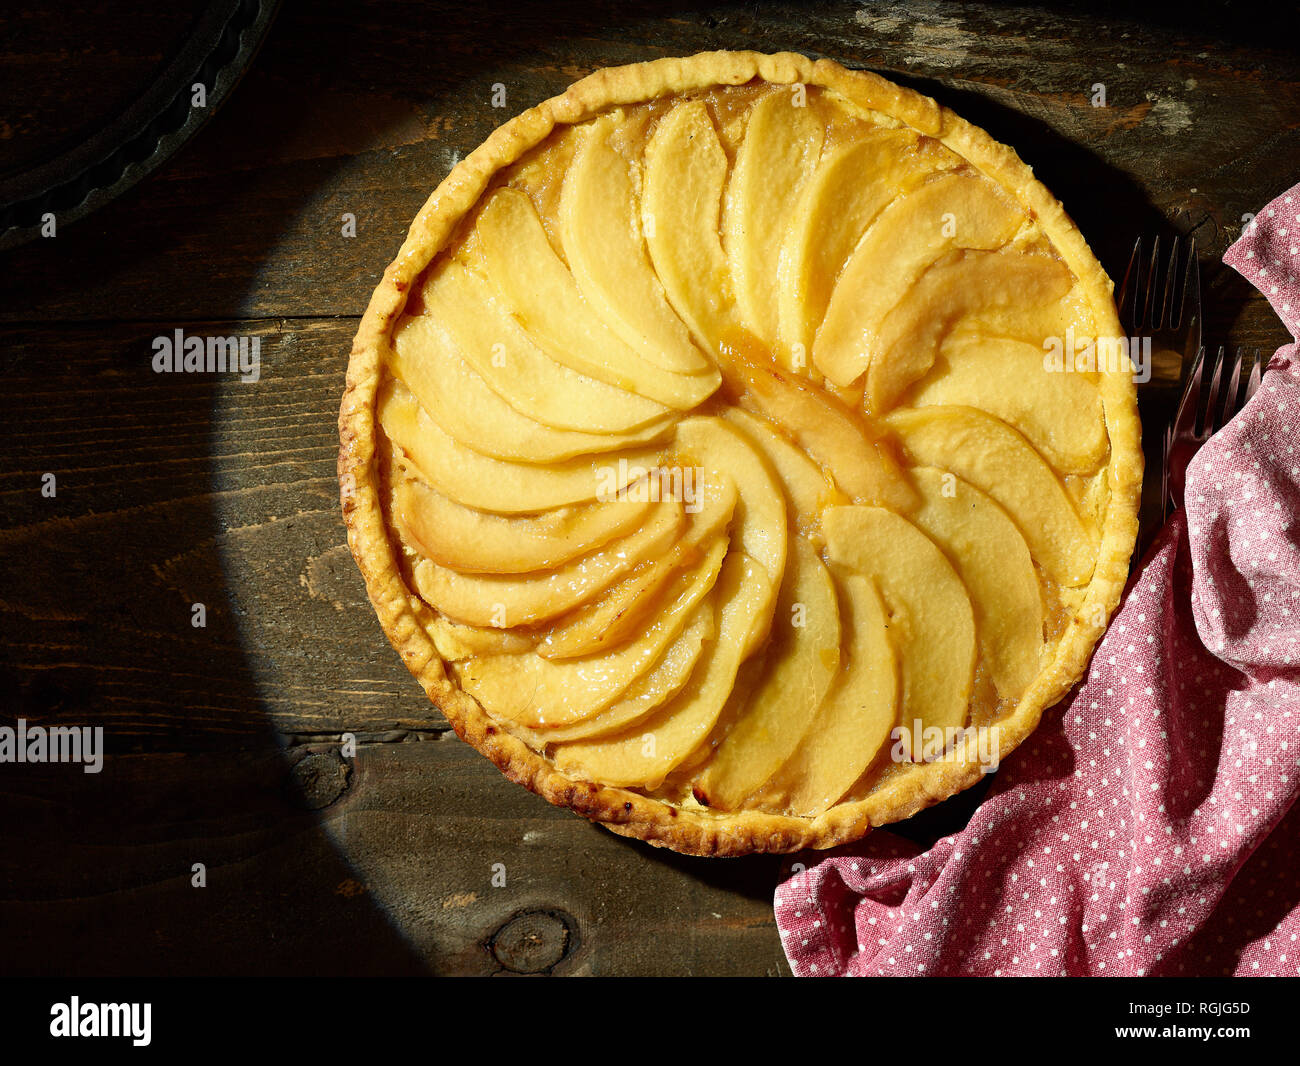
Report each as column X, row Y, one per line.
column 706, row 458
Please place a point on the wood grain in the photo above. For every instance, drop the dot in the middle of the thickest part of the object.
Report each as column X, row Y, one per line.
column 177, row 489
column 423, row 860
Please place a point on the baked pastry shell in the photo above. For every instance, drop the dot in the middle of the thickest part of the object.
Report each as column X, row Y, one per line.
column 404, row 617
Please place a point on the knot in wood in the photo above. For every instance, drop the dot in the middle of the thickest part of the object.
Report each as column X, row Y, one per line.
column 320, row 778
column 532, row 941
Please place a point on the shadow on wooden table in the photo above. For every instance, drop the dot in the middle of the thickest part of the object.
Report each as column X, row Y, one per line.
column 195, row 849
column 198, row 847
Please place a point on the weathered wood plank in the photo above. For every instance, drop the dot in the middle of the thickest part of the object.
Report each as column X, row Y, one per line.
column 177, row 489
column 394, row 873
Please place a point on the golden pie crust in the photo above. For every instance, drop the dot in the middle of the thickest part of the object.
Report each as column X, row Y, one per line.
column 688, row 825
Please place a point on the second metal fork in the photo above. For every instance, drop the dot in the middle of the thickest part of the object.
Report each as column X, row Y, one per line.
column 1195, row 422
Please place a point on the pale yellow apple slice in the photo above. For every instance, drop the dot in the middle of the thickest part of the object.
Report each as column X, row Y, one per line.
column 610, row 620
column 781, row 146
column 806, row 485
column 846, row 443
column 509, row 600
column 1000, row 462
column 645, row 753
column 533, row 692
column 649, row 692
column 759, row 529
column 544, row 298
column 802, row 667
column 854, row 182
column 616, row 616
column 747, row 680
column 931, row 620
column 523, row 375
column 855, row 718
column 498, row 485
column 993, row 561
column 477, row 542
column 463, row 406
column 1060, row 413
column 955, row 209
column 1043, row 324
column 600, row 231
column 963, row 284
column 681, row 203
column 456, row 641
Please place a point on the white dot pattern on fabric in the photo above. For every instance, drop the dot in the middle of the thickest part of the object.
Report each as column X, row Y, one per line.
column 1143, row 829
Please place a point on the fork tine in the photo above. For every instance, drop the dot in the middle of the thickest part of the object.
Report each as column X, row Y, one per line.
column 1230, row 404
column 1166, row 497
column 1256, row 372
column 1147, row 299
column 1213, row 398
column 1190, row 297
column 1171, row 276
column 1130, row 289
column 1185, row 420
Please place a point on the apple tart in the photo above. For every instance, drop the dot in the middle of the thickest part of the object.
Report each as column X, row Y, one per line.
column 742, row 451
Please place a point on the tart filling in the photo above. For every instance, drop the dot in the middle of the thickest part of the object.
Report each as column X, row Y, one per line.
column 706, row 460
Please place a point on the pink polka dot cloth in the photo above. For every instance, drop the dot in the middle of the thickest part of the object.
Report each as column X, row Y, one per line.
column 1149, row 825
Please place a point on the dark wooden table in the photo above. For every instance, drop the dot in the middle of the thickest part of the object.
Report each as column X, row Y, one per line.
column 189, row 489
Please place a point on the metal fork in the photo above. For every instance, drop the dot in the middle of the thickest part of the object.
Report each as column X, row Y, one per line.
column 1195, row 422
column 1160, row 299
column 1171, row 319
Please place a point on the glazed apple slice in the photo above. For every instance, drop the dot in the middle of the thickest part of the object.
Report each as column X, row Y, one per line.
column 999, row 461
column 456, row 641
column 855, row 719
column 542, row 295
column 994, row 564
column 477, row 542
column 956, row 209
column 836, row 206
column 510, row 600
column 964, row 284
column 681, row 202
column 523, row 375
column 1059, row 413
column 801, row 669
column 930, row 612
column 600, row 230
column 460, row 402
column 1041, row 323
column 649, row 692
column 805, row 484
column 759, row 529
column 781, row 147
column 643, row 754
column 844, row 442
column 536, row 693
column 618, row 614
column 498, row 485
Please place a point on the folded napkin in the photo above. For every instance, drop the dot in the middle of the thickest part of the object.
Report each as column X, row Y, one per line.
column 1149, row 824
